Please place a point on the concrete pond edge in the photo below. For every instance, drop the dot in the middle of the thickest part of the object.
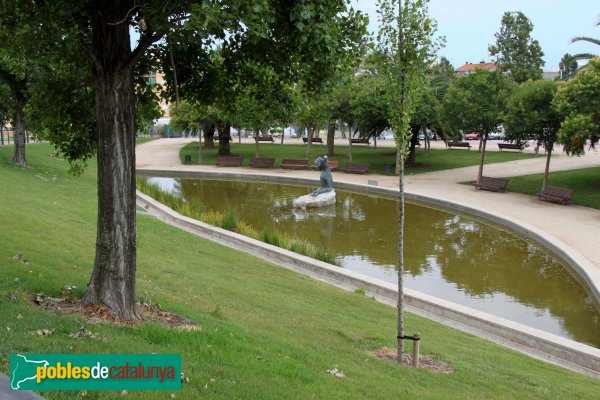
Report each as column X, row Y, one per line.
column 536, row 343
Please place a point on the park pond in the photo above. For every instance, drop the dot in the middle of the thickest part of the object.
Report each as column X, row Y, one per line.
column 450, row 256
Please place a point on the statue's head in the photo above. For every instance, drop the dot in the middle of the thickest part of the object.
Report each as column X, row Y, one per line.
column 321, row 162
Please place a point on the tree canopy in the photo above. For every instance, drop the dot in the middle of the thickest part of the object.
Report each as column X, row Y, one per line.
column 225, row 41
column 475, row 103
column 531, row 115
column 579, row 100
column 515, row 50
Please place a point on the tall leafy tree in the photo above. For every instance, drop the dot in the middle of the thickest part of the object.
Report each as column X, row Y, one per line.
column 292, row 37
column 579, row 100
column 15, row 72
column 531, row 115
column 515, row 50
column 407, row 47
column 475, row 103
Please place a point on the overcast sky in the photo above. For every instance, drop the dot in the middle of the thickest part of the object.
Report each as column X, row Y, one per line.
column 469, row 26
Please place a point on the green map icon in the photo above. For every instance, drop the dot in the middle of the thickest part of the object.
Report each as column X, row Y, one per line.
column 23, row 369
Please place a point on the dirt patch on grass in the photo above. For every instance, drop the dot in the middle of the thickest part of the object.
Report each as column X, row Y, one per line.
column 425, row 362
column 99, row 313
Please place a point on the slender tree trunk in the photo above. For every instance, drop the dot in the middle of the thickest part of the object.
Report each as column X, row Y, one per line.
column 375, row 141
column 200, row 147
column 309, row 137
column 330, row 138
column 350, row 134
column 481, row 158
column 400, row 304
column 256, row 144
column 19, row 134
column 172, row 62
column 113, row 278
column 547, row 169
column 2, row 134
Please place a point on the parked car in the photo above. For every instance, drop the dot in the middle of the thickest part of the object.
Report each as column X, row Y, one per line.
column 496, row 136
column 472, row 136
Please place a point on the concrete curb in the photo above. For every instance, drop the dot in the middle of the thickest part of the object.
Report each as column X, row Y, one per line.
column 538, row 344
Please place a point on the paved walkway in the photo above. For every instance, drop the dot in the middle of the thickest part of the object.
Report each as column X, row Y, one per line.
column 7, row 394
column 576, row 229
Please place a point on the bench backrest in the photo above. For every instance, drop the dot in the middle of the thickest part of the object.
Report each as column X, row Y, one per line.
column 230, row 159
column 293, row 162
column 558, row 192
column 357, row 166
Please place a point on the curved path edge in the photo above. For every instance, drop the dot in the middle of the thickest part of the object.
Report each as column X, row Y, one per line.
column 538, row 344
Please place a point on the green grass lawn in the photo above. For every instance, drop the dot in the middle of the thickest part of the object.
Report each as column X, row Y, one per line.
column 266, row 333
column 585, row 182
column 142, row 140
column 427, row 160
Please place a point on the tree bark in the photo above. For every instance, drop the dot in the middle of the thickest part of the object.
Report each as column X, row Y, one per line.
column 400, row 303
column 19, row 133
column 547, row 169
column 209, row 135
column 224, row 138
column 256, row 145
column 481, row 158
column 309, row 136
column 411, row 160
column 350, row 134
column 330, row 138
column 113, row 278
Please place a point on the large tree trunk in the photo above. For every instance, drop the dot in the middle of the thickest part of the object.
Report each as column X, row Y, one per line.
column 224, row 139
column 19, row 133
column 330, row 138
column 113, row 278
column 209, row 137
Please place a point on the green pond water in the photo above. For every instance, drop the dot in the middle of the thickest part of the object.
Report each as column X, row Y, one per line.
column 450, row 256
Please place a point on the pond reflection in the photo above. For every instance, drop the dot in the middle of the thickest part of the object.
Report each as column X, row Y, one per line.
column 449, row 256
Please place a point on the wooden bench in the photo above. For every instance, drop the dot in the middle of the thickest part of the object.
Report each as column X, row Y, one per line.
column 333, row 164
column 493, row 184
column 264, row 139
column 293, row 164
column 556, row 194
column 262, row 162
column 360, row 141
column 459, row 144
column 314, row 140
column 357, row 168
column 510, row 146
column 229, row 161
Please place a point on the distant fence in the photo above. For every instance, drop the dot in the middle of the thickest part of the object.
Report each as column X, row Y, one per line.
column 7, row 136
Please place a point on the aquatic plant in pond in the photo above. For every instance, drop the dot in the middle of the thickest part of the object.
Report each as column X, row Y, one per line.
column 230, row 221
